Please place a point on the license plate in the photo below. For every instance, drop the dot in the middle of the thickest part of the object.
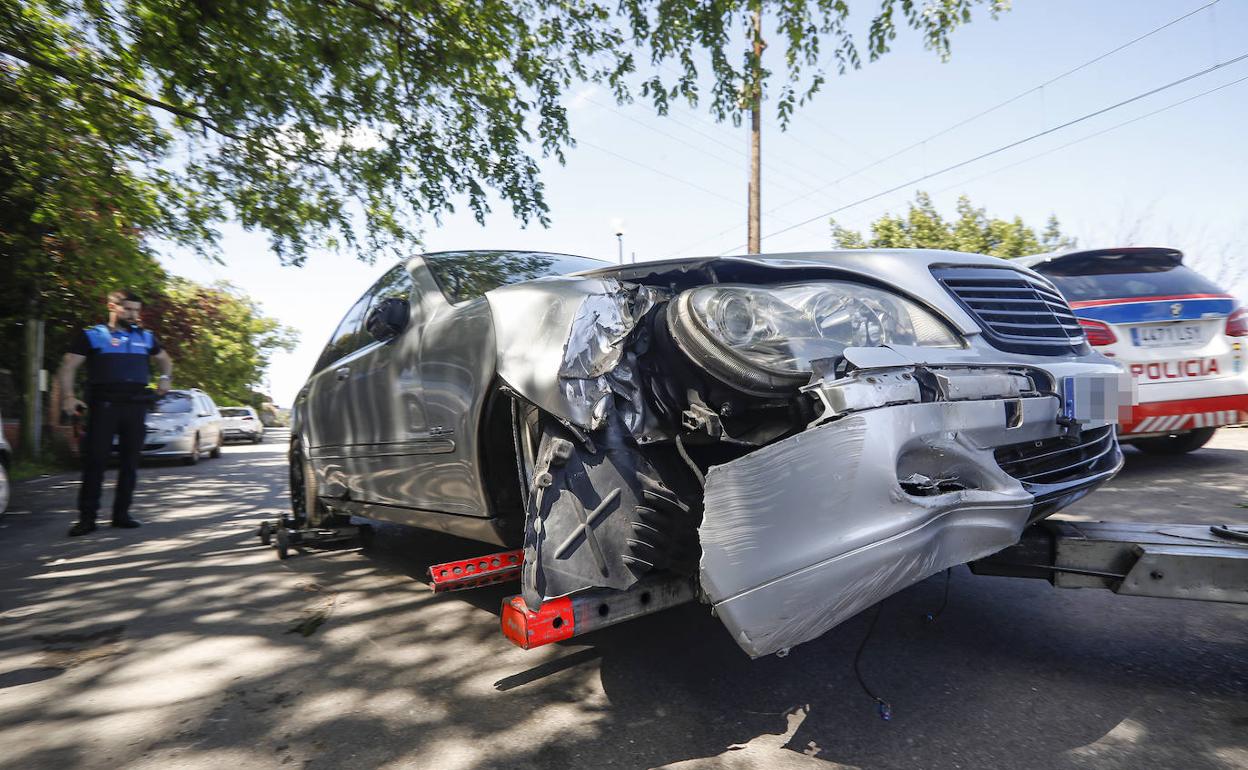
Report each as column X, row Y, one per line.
column 1165, row 335
column 1095, row 398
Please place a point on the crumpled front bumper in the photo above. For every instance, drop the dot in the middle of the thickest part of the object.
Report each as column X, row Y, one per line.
column 805, row 533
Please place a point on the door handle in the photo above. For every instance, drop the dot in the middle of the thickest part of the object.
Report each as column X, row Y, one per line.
column 342, row 372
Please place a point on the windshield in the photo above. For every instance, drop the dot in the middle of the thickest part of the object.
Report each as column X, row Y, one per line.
column 234, row 412
column 173, row 403
column 1100, row 280
column 466, row 275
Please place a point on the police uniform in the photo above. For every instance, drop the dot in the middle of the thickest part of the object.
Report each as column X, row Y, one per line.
column 117, row 401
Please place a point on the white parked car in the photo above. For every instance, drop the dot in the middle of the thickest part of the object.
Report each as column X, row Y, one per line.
column 1182, row 337
column 241, row 423
column 186, row 424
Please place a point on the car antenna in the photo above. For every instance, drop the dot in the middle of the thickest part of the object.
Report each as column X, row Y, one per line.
column 883, row 707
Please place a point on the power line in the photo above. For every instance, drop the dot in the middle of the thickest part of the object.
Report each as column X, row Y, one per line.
column 660, row 172
column 1011, row 145
column 1094, row 135
column 734, row 163
column 997, row 106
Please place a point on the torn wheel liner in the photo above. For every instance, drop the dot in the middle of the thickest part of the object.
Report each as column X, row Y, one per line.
column 600, row 516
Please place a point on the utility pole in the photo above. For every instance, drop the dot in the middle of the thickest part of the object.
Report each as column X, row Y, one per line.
column 754, row 95
column 619, row 237
column 32, row 424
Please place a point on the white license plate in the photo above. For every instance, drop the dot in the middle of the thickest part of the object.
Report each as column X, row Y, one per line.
column 1165, row 335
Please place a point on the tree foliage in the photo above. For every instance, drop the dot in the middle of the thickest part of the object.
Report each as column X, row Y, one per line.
column 306, row 118
column 973, row 231
column 219, row 340
column 816, row 35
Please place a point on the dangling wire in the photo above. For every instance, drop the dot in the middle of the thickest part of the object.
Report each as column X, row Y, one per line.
column 884, row 708
column 931, row 616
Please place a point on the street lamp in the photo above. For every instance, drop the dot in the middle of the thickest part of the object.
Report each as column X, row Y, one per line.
column 617, row 226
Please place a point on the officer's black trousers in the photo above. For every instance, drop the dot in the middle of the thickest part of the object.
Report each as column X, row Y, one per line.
column 106, row 419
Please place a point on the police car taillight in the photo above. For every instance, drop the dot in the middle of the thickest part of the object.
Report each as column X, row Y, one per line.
column 1237, row 323
column 1097, row 332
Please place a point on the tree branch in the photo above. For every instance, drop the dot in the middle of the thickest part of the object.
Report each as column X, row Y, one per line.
column 112, row 85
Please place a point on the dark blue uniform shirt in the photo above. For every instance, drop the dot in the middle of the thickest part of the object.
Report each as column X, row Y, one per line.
column 117, row 359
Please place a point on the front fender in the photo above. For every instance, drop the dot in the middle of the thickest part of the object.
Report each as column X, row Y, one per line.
column 559, row 340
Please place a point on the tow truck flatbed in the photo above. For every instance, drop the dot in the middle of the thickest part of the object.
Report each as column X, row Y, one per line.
column 1167, row 561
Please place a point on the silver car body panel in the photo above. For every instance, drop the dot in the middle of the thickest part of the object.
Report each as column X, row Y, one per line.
column 803, row 534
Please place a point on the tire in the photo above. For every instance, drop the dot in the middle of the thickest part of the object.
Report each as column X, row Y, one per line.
column 304, row 503
column 259, row 439
column 1181, row 443
column 216, row 450
column 193, row 457
column 266, row 533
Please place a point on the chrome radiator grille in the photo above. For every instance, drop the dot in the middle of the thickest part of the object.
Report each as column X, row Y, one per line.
column 1016, row 312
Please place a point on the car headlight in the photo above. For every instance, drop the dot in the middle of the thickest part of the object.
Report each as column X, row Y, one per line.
column 762, row 339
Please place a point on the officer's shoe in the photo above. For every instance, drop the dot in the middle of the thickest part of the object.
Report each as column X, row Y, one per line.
column 82, row 528
column 127, row 523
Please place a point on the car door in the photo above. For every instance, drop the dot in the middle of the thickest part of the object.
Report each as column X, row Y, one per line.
column 428, row 384
column 392, row 457
column 331, row 419
column 212, row 420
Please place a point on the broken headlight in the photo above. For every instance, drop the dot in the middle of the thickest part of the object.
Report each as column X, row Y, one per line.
column 763, row 338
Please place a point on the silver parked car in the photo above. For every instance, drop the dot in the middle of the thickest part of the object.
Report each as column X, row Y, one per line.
column 185, row 424
column 241, row 423
column 800, row 435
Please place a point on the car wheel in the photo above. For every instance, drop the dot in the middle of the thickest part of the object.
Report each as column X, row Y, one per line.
column 193, row 457
column 216, row 450
column 304, row 503
column 1178, row 444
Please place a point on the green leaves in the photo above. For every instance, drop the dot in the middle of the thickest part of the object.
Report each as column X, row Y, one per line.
column 219, row 339
column 359, row 122
column 815, row 34
column 973, row 231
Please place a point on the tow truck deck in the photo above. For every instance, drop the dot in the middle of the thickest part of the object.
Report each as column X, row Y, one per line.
column 1165, row 561
column 1168, row 561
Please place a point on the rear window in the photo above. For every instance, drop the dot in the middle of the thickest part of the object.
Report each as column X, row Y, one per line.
column 1125, row 278
column 234, row 412
column 465, row 275
column 173, row 403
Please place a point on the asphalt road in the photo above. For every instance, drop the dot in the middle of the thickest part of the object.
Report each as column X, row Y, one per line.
column 187, row 644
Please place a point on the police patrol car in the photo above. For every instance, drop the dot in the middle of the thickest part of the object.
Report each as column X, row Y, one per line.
column 1183, row 339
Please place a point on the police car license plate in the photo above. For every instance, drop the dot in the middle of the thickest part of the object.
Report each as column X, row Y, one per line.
column 1164, row 335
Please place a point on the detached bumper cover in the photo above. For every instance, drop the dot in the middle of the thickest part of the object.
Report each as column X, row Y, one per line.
column 803, row 534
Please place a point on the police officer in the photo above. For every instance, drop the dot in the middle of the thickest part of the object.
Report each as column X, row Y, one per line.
column 117, row 356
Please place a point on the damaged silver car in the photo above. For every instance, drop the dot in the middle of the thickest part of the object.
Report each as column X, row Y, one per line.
column 793, row 437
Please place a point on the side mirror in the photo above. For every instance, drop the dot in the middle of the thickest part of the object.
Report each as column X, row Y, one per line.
column 388, row 319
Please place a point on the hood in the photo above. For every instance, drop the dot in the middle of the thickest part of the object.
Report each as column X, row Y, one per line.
column 908, row 271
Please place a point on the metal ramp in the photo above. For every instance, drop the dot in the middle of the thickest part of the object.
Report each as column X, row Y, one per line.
column 1166, row 561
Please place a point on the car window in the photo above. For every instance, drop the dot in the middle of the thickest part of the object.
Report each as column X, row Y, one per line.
column 397, row 282
column 349, row 336
column 230, row 411
column 1125, row 279
column 173, row 403
column 466, row 275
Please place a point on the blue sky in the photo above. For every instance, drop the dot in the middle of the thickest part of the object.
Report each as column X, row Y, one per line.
column 678, row 183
